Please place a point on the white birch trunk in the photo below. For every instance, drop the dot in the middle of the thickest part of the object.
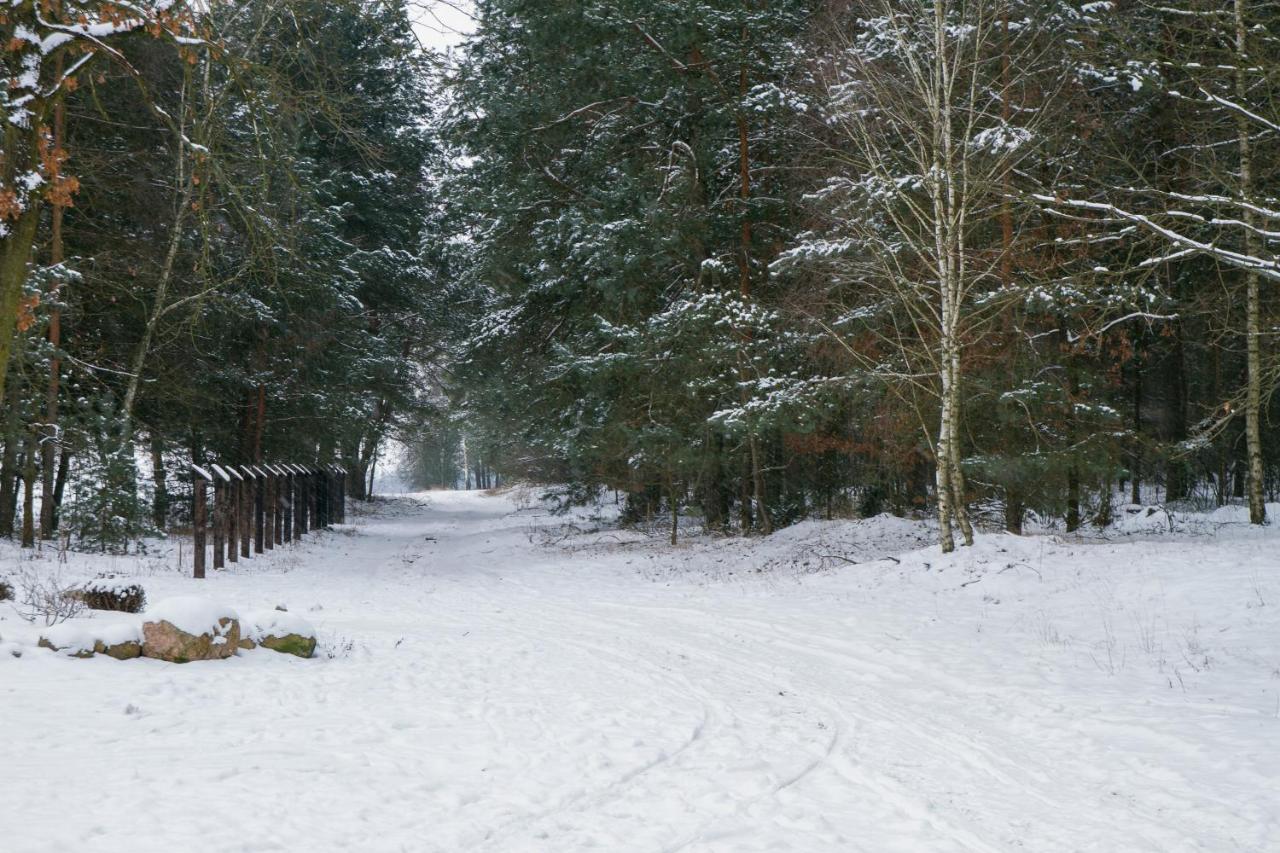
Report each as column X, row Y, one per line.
column 1253, row 330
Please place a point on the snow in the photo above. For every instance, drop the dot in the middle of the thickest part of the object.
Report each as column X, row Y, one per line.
column 77, row 636
column 1142, row 520
column 492, row 678
column 258, row 624
column 191, row 613
column 109, row 584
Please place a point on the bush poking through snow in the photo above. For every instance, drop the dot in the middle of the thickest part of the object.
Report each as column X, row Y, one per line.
column 6, row 590
column 108, row 593
column 44, row 597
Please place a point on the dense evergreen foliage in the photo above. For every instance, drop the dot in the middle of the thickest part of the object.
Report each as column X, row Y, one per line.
column 247, row 270
column 747, row 262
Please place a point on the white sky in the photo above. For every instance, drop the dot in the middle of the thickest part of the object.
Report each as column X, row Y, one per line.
column 441, row 24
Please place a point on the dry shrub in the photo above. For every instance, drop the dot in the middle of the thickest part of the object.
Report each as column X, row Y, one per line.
column 108, row 593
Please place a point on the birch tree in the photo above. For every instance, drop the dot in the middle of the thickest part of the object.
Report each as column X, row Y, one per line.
column 1218, row 62
column 924, row 137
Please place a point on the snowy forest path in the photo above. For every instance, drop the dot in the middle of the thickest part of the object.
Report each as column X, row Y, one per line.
column 476, row 691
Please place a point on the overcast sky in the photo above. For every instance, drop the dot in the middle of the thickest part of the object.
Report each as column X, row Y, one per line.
column 441, row 24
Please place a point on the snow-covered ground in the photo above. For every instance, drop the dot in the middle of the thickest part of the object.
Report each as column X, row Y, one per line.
column 491, row 680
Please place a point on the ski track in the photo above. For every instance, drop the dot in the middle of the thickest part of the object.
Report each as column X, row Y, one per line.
column 487, row 695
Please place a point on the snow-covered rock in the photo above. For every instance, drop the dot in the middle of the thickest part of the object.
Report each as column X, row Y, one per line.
column 84, row 639
column 190, row 628
column 279, row 631
column 1142, row 519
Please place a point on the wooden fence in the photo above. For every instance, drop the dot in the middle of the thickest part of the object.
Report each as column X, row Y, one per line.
column 257, row 507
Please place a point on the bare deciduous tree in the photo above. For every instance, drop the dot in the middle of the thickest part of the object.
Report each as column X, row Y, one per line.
column 925, row 142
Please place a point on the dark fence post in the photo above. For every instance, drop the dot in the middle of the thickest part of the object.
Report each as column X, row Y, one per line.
column 259, row 509
column 313, row 510
column 340, row 499
column 342, row 491
column 282, row 505
column 219, row 516
column 330, row 508
column 335, row 496
column 300, row 523
column 319, row 485
column 269, row 507
column 304, row 495
column 322, row 503
column 235, row 487
column 199, row 518
column 246, row 513
column 277, row 501
column 288, row 503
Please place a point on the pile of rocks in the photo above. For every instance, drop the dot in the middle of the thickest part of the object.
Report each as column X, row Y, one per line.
column 181, row 630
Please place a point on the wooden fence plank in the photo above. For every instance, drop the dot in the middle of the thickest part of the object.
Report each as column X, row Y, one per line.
column 269, row 510
column 246, row 513
column 259, row 510
column 199, row 519
column 234, row 498
column 288, row 504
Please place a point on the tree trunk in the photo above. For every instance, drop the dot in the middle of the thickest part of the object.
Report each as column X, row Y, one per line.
column 1177, row 476
column 959, row 498
column 942, row 473
column 1014, row 512
column 9, row 463
column 1253, row 312
column 15, row 252
column 160, row 501
column 49, row 446
column 1073, row 497
column 744, row 497
column 260, row 422
column 157, row 310
column 60, row 484
column 1135, row 472
column 29, row 490
column 675, row 509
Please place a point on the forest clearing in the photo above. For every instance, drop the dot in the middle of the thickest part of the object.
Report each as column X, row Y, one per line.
column 494, row 677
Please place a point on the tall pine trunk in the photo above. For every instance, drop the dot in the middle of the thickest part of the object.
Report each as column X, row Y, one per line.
column 29, row 490
column 160, row 503
column 9, row 462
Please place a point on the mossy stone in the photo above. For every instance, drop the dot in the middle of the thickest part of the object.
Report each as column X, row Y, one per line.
column 120, row 651
column 291, row 644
